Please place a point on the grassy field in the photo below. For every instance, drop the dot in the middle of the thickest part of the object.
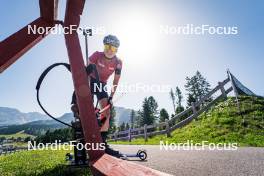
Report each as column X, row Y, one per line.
column 16, row 135
column 38, row 163
column 222, row 124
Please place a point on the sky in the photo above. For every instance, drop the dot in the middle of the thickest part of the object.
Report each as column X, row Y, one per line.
column 150, row 56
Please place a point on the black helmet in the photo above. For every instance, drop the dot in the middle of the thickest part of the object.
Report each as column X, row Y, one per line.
column 111, row 40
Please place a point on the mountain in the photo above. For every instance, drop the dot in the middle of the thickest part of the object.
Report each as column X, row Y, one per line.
column 67, row 118
column 11, row 116
column 122, row 115
column 13, row 121
column 37, row 127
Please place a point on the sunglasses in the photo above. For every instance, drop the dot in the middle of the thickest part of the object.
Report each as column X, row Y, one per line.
column 110, row 47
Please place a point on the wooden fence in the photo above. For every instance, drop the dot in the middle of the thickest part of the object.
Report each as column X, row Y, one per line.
column 168, row 126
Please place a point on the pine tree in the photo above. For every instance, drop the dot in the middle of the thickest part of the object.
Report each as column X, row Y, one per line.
column 148, row 114
column 172, row 96
column 127, row 126
column 145, row 113
column 197, row 87
column 132, row 118
column 153, row 106
column 122, row 127
column 163, row 115
column 179, row 97
column 138, row 119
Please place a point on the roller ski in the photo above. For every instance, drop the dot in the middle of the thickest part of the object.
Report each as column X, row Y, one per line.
column 141, row 154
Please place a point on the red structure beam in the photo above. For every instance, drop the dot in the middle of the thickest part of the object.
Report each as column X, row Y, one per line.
column 20, row 42
column 48, row 10
column 101, row 164
column 110, row 166
column 89, row 123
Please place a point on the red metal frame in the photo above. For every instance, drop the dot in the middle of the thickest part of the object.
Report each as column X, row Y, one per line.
column 90, row 126
column 20, row 42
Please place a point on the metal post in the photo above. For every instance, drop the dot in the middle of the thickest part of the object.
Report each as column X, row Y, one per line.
column 86, row 33
column 234, row 88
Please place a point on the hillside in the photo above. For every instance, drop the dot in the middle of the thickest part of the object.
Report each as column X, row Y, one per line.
column 20, row 134
column 223, row 123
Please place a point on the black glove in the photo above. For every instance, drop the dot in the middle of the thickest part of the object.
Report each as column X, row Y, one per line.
column 109, row 101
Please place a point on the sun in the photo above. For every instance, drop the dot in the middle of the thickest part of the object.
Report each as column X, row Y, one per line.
column 138, row 35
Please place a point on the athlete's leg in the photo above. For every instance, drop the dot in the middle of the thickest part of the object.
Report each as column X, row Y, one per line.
column 105, row 127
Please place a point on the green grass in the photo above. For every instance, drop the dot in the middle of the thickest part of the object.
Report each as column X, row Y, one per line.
column 16, row 135
column 39, row 163
column 221, row 124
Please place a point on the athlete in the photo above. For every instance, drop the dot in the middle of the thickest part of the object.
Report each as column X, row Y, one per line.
column 107, row 63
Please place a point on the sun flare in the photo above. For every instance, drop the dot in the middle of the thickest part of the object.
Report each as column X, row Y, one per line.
column 138, row 38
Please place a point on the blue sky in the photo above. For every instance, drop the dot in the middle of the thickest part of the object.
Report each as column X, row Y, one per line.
column 149, row 57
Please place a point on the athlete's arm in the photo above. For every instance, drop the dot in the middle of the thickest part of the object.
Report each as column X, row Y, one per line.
column 91, row 63
column 116, row 77
column 93, row 58
column 115, row 84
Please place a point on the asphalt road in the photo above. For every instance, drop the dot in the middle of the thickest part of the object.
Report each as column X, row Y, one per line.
column 243, row 161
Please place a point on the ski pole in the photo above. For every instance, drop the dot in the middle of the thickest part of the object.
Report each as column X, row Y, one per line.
column 108, row 106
